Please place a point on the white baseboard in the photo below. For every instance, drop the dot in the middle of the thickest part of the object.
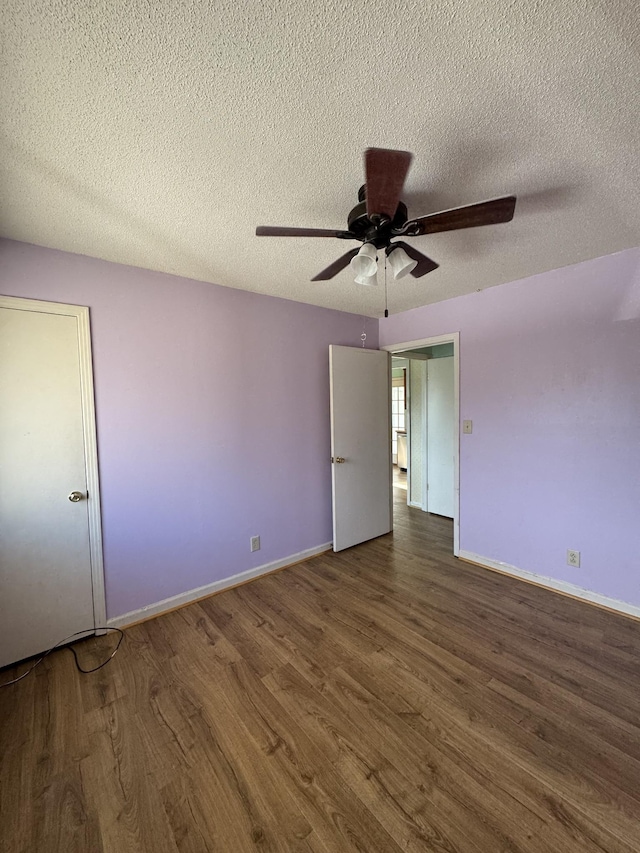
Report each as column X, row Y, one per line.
column 217, row 586
column 557, row 586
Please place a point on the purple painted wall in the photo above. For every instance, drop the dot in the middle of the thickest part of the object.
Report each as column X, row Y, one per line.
column 212, row 415
column 213, row 419
column 550, row 376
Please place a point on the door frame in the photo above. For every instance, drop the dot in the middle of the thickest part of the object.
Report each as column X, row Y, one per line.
column 81, row 315
column 454, row 338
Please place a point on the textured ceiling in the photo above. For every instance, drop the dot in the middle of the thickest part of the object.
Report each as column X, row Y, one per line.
column 160, row 134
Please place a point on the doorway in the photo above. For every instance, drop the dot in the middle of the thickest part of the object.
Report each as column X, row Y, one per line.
column 433, row 457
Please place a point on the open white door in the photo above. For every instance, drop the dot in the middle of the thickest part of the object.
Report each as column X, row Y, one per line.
column 360, row 444
column 50, row 548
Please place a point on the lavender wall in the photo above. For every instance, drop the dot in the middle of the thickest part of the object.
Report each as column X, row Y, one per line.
column 550, row 376
column 212, row 414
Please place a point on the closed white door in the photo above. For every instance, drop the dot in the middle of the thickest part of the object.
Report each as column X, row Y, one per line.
column 360, row 444
column 46, row 590
column 441, row 436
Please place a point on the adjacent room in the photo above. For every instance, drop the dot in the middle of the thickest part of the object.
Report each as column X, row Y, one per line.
column 319, row 427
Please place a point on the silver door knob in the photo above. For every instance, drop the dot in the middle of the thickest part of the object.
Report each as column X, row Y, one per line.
column 340, row 459
column 74, row 497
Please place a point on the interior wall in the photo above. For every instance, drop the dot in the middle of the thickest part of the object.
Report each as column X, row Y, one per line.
column 549, row 374
column 212, row 417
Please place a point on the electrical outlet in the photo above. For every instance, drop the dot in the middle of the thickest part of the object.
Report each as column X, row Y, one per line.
column 255, row 543
column 573, row 559
column 467, row 427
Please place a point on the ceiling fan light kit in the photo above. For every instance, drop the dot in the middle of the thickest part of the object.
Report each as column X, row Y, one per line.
column 380, row 217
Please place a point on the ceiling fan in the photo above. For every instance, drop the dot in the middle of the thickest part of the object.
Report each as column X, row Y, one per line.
column 380, row 217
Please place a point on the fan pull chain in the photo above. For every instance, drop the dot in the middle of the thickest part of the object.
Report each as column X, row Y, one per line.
column 363, row 336
column 386, row 309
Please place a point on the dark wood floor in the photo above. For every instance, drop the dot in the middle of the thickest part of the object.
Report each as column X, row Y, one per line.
column 384, row 699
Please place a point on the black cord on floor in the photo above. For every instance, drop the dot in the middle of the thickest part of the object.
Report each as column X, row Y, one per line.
column 87, row 632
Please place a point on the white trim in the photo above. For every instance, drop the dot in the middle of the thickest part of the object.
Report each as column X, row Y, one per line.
column 403, row 346
column 456, row 441
column 191, row 595
column 424, row 402
column 389, row 435
column 408, row 426
column 452, row 337
column 553, row 584
column 81, row 314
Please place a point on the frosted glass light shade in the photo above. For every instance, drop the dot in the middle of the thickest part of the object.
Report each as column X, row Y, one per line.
column 400, row 263
column 365, row 262
column 369, row 280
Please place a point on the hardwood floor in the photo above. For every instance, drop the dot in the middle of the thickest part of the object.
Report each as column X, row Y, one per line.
column 385, row 699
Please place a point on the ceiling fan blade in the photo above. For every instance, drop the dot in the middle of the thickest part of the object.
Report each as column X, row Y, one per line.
column 425, row 264
column 385, row 172
column 470, row 216
column 336, row 266
column 277, row 231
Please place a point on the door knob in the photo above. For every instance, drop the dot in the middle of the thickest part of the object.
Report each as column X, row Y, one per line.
column 74, row 497
column 339, row 459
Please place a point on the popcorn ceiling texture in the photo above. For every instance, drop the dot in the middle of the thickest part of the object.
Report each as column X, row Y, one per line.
column 160, row 134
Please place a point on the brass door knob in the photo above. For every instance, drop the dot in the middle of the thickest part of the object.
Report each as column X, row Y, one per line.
column 74, row 497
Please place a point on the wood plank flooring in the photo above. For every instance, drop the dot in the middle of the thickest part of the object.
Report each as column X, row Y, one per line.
column 385, row 699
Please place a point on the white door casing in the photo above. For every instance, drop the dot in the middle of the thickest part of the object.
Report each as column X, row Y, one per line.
column 51, row 573
column 403, row 349
column 360, row 381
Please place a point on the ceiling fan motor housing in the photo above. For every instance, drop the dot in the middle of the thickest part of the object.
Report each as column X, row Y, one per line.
column 379, row 232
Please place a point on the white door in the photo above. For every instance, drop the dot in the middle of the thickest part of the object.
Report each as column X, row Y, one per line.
column 46, row 585
column 360, row 444
column 441, row 436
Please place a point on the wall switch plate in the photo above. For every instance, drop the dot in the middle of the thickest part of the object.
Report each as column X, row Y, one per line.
column 573, row 559
column 467, row 427
column 255, row 543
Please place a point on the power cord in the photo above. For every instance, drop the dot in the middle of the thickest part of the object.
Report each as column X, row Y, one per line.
column 88, row 632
